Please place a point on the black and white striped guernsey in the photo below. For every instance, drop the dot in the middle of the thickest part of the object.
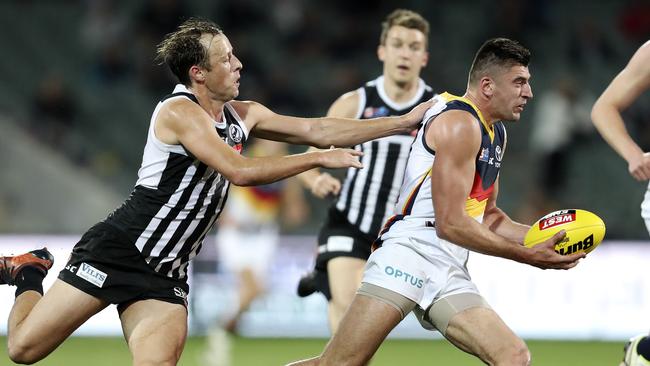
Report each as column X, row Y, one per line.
column 177, row 198
column 368, row 195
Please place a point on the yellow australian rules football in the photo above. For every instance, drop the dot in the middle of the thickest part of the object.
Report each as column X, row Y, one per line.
column 584, row 231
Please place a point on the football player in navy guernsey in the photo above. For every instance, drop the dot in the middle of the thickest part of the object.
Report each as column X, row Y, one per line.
column 626, row 87
column 366, row 198
column 447, row 208
column 138, row 256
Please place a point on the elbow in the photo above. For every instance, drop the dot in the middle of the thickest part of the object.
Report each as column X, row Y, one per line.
column 240, row 178
column 444, row 230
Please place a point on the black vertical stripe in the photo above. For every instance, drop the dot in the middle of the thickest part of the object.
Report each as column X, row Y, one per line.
column 352, row 182
column 385, row 187
column 180, row 230
column 374, row 151
column 182, row 201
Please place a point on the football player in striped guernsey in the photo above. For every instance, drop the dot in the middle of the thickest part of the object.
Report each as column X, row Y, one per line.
column 366, row 197
column 626, row 87
column 447, row 208
column 138, row 256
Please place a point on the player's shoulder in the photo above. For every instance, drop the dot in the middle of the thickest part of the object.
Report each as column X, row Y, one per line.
column 346, row 106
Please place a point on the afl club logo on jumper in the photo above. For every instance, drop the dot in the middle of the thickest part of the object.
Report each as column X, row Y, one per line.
column 92, row 274
column 498, row 152
column 235, row 133
column 557, row 218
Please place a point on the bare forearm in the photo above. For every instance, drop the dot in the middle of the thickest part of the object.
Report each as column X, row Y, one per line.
column 255, row 171
column 470, row 234
column 343, row 132
column 609, row 123
column 501, row 224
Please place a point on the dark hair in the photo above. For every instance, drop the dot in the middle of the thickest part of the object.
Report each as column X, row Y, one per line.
column 182, row 49
column 501, row 52
column 405, row 18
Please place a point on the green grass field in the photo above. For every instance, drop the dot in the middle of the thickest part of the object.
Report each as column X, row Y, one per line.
column 79, row 351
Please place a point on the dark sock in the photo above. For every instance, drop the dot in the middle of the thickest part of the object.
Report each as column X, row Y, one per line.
column 29, row 279
column 643, row 347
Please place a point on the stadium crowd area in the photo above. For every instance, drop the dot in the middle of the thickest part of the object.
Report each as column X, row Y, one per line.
column 79, row 85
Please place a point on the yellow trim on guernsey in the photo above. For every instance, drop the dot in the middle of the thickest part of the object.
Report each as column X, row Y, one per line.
column 450, row 97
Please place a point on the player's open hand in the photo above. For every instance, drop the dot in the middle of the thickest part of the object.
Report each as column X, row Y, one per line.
column 340, row 158
column 543, row 255
column 414, row 117
column 639, row 167
column 325, row 185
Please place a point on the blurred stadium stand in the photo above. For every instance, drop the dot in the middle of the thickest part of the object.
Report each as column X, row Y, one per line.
column 298, row 57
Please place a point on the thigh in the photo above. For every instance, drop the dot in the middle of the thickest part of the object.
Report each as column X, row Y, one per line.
column 344, row 275
column 364, row 327
column 55, row 316
column 155, row 331
column 481, row 332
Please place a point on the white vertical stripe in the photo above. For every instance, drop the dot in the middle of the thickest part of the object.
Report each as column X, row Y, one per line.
column 165, row 209
column 375, row 185
column 343, row 195
column 355, row 202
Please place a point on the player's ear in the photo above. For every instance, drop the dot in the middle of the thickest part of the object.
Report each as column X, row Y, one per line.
column 487, row 86
column 381, row 52
column 196, row 73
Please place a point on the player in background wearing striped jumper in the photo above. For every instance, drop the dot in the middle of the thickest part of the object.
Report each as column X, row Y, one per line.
column 366, row 198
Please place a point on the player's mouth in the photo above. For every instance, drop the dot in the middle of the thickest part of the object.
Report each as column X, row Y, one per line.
column 403, row 67
column 520, row 108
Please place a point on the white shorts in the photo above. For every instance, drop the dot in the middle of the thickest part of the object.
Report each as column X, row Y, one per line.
column 645, row 208
column 238, row 250
column 424, row 280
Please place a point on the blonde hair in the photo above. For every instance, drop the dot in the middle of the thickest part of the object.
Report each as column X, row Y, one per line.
column 405, row 18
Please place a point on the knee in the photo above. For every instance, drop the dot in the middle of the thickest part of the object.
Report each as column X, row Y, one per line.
column 516, row 354
column 22, row 353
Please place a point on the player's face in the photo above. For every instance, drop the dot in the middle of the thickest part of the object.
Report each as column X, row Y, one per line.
column 404, row 54
column 223, row 78
column 512, row 91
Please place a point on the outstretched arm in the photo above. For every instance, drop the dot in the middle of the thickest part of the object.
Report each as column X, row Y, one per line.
column 186, row 123
column 326, row 131
column 323, row 184
column 633, row 80
column 456, row 138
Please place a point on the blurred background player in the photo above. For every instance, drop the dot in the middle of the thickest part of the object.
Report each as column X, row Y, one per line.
column 249, row 229
column 366, row 197
column 247, row 237
column 626, row 87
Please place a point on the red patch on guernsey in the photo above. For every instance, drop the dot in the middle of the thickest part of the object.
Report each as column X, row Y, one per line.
column 477, row 192
column 556, row 220
column 238, row 147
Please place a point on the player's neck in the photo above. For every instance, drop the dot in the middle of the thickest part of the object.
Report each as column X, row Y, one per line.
column 212, row 106
column 401, row 92
column 482, row 106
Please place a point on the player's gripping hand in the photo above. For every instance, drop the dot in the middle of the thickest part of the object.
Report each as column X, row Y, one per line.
column 639, row 167
column 543, row 255
column 325, row 185
column 340, row 158
column 413, row 118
